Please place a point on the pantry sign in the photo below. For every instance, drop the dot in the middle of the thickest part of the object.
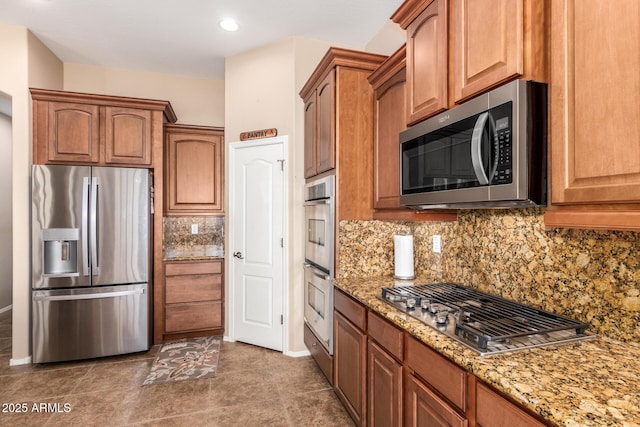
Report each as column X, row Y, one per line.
column 256, row 134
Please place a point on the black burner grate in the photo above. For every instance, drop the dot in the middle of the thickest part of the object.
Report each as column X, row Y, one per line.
column 483, row 318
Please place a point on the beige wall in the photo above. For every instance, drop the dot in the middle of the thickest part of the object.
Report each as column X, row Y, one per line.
column 25, row 61
column 45, row 69
column 5, row 208
column 14, row 82
column 195, row 100
column 261, row 91
column 389, row 39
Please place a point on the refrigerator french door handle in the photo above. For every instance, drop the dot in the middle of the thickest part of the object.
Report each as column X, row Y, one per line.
column 100, row 295
column 476, row 149
column 95, row 266
column 85, row 225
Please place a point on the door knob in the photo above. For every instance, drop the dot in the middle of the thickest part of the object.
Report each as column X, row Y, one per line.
column 238, row 255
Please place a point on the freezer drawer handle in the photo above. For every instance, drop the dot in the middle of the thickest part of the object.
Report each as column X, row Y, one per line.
column 88, row 296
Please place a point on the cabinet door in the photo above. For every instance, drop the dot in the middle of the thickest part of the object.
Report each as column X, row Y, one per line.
column 488, row 44
column 494, row 410
column 310, row 135
column 326, row 116
column 194, row 173
column 350, row 364
column 390, row 118
column 427, row 68
column 595, row 120
column 73, row 133
column 384, row 388
column 127, row 136
column 424, row 408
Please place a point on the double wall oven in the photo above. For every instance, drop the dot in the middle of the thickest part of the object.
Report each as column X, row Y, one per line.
column 319, row 250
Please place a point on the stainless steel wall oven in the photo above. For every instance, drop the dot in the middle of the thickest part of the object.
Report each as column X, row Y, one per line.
column 319, row 207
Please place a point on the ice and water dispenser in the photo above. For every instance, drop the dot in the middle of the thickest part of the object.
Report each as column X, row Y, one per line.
column 60, row 251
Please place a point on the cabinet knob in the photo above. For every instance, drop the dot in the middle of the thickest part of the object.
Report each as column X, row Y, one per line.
column 238, row 255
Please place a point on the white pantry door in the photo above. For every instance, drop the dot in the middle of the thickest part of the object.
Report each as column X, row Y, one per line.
column 256, row 238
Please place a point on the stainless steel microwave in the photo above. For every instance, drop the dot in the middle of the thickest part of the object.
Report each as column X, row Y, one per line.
column 490, row 151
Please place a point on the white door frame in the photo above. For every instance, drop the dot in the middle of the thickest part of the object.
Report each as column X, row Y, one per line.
column 233, row 146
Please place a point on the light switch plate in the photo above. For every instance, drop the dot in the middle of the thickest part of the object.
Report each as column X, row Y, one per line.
column 194, row 228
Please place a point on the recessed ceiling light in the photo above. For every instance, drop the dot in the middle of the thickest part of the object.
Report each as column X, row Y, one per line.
column 229, row 24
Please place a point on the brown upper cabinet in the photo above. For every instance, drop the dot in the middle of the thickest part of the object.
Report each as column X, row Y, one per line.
column 194, row 157
column 319, row 125
column 595, row 119
column 389, row 119
column 96, row 129
column 338, row 130
column 457, row 49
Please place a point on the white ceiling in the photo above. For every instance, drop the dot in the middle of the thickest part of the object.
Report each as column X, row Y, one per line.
column 183, row 36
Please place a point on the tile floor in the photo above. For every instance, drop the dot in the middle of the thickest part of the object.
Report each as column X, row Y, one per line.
column 253, row 387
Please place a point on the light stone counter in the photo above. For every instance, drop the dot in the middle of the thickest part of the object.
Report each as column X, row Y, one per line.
column 590, row 383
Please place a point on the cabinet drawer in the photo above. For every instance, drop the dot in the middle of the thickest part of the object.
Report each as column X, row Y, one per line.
column 387, row 335
column 494, row 410
column 319, row 353
column 193, row 316
column 351, row 309
column 442, row 374
column 179, row 268
column 425, row 408
column 193, row 288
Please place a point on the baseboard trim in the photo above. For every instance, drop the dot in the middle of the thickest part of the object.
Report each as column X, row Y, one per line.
column 7, row 308
column 16, row 362
column 227, row 338
column 297, row 353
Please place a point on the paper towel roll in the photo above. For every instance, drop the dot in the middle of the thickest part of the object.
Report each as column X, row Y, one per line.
column 403, row 251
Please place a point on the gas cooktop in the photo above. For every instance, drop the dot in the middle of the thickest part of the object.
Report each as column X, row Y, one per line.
column 483, row 322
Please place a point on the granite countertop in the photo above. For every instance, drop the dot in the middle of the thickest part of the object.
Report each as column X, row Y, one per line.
column 192, row 258
column 589, row 383
column 193, row 253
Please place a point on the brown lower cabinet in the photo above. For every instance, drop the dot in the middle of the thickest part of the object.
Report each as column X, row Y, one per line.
column 350, row 362
column 384, row 380
column 193, row 299
column 386, row 377
column 424, row 407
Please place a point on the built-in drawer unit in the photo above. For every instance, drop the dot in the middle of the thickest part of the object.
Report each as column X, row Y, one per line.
column 319, row 353
column 355, row 312
column 193, row 298
column 388, row 336
column 444, row 376
column 494, row 410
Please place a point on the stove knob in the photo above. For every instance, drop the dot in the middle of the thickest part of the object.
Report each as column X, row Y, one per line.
column 425, row 304
column 411, row 303
column 441, row 317
column 434, row 307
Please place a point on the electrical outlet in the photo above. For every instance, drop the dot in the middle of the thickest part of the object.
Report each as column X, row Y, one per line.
column 437, row 242
column 194, row 228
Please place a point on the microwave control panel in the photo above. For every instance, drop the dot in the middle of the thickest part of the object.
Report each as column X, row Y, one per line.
column 504, row 146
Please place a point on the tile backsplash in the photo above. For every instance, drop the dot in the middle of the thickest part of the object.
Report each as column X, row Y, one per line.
column 179, row 242
column 593, row 276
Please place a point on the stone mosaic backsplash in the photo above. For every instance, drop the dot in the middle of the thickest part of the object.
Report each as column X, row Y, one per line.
column 593, row 276
column 180, row 243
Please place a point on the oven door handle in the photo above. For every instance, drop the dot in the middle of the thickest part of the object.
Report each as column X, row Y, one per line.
column 314, row 271
column 317, row 202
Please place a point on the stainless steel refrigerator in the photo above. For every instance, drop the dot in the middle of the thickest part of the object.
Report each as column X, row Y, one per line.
column 90, row 261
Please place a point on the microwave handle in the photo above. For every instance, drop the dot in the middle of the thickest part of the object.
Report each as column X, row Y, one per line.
column 476, row 148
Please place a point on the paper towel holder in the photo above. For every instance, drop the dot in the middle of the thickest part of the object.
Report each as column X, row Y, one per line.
column 406, row 270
